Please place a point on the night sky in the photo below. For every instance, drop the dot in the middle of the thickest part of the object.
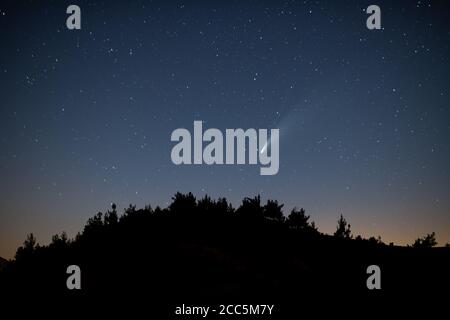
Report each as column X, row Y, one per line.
column 86, row 115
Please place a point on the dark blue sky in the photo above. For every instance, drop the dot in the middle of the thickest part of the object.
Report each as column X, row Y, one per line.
column 86, row 116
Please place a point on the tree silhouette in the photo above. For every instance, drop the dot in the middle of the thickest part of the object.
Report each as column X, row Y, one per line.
column 30, row 242
column 223, row 207
column 376, row 240
column 212, row 208
column 298, row 220
column 251, row 208
column 60, row 241
column 183, row 203
column 111, row 217
column 28, row 248
column 273, row 211
column 426, row 241
column 343, row 229
column 94, row 225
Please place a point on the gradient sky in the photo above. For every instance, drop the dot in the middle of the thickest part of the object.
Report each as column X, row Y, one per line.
column 86, row 116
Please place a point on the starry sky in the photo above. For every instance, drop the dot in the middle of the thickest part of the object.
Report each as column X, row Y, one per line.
column 86, row 115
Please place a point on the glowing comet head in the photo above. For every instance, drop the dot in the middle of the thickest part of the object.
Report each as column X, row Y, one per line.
column 263, row 149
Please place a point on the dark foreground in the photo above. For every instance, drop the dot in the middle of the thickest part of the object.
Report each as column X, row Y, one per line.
column 206, row 253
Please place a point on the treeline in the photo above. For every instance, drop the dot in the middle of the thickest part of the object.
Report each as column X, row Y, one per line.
column 205, row 211
column 206, row 248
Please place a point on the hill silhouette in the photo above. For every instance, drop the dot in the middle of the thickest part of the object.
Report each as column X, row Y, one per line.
column 206, row 250
column 3, row 263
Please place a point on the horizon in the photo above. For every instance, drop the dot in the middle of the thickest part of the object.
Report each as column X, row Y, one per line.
column 330, row 230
